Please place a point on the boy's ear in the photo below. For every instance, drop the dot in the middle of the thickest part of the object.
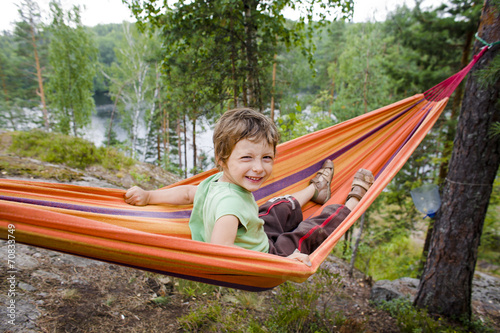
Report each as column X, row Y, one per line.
column 219, row 163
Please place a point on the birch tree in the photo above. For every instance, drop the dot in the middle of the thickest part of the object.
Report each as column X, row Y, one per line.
column 153, row 109
column 136, row 83
column 73, row 59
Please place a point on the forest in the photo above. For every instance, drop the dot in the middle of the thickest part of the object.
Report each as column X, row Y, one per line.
column 159, row 85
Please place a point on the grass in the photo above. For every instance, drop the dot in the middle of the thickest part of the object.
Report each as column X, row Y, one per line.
column 411, row 320
column 67, row 150
column 303, row 308
column 396, row 258
column 293, row 308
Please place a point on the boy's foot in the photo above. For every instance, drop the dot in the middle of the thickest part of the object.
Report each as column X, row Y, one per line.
column 322, row 182
column 363, row 179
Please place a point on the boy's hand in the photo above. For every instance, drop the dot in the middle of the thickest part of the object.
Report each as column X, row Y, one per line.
column 137, row 196
column 302, row 257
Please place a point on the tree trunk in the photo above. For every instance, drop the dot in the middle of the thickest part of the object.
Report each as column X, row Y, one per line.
column 158, row 148
column 152, row 111
column 195, row 157
column 184, row 130
column 356, row 246
column 166, row 141
column 179, row 140
column 40, row 91
column 365, row 83
column 332, row 95
column 233, row 65
column 446, row 283
column 251, row 56
column 273, row 92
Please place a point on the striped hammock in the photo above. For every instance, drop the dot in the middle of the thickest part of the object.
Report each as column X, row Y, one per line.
column 97, row 223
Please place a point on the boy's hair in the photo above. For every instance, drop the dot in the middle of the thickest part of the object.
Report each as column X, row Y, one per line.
column 239, row 124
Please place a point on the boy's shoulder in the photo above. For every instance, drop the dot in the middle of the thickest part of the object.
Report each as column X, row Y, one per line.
column 213, row 190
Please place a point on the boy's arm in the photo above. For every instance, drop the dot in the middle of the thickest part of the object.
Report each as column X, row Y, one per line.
column 225, row 229
column 224, row 233
column 179, row 195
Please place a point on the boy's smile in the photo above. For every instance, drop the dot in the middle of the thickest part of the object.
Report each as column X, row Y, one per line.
column 249, row 165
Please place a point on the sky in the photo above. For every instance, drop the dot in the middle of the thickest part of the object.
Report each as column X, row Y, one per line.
column 114, row 11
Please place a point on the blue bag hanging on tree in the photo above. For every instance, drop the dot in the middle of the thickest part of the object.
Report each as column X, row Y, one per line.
column 426, row 199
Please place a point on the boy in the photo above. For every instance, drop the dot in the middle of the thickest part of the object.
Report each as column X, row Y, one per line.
column 224, row 209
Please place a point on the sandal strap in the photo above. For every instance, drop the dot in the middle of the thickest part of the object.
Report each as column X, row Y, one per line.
column 363, row 180
column 322, row 182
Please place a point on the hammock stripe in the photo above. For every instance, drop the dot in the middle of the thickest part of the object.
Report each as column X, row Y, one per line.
column 97, row 223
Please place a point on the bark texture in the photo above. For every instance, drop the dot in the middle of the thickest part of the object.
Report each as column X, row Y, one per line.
column 446, row 283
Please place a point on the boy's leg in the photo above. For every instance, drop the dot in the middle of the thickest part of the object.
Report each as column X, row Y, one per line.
column 280, row 215
column 312, row 232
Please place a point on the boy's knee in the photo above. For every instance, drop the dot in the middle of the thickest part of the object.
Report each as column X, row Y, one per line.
column 287, row 197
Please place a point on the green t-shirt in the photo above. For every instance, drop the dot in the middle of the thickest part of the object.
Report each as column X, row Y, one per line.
column 215, row 199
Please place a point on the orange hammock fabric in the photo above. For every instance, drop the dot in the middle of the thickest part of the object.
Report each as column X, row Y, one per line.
column 97, row 223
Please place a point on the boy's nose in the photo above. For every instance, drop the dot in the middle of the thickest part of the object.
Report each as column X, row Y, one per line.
column 257, row 167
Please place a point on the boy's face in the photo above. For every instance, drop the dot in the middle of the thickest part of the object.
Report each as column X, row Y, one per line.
column 249, row 165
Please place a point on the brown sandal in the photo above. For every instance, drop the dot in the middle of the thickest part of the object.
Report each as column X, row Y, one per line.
column 363, row 179
column 322, row 182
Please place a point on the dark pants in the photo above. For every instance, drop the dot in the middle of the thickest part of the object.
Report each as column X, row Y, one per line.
column 287, row 231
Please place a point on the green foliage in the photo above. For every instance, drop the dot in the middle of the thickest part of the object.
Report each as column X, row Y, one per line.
column 191, row 288
column 400, row 257
column 495, row 130
column 71, row 151
column 304, row 308
column 491, row 74
column 222, row 309
column 487, row 77
column 489, row 249
column 161, row 300
column 134, row 82
column 18, row 68
column 411, row 320
column 361, row 79
column 203, row 319
column 295, row 308
column 73, row 58
column 388, row 259
column 239, row 38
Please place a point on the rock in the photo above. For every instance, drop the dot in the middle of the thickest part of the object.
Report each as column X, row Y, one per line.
column 24, row 261
column 486, row 287
column 485, row 290
column 21, row 317
column 46, row 275
column 26, row 286
column 385, row 290
column 77, row 261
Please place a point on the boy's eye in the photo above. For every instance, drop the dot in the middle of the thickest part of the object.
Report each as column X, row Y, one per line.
column 268, row 158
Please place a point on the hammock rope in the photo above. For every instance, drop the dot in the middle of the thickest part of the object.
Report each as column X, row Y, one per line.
column 489, row 45
column 98, row 224
column 448, row 86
